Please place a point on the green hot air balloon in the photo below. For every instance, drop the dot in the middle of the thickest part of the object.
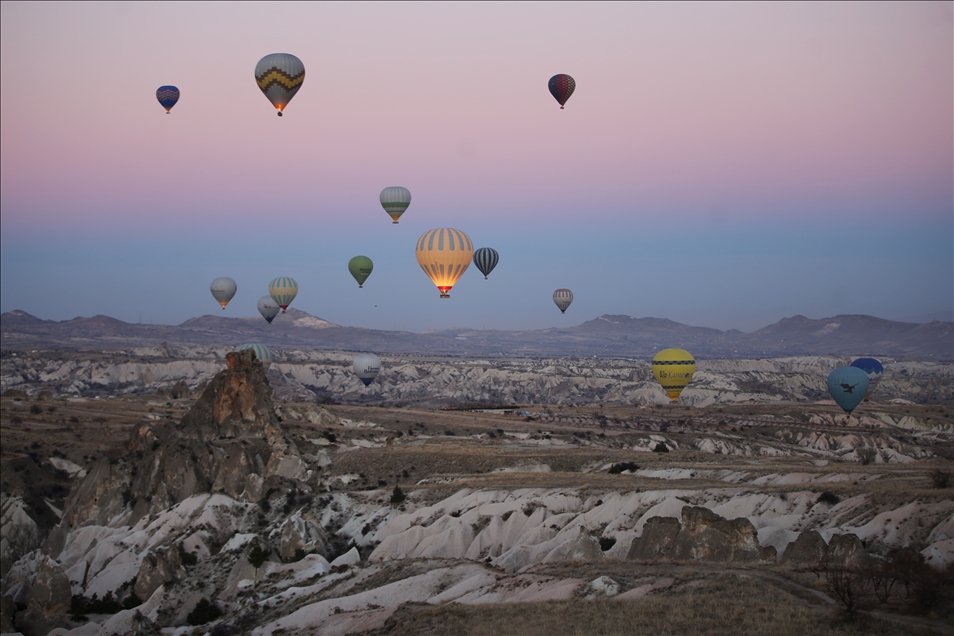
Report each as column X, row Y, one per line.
column 360, row 267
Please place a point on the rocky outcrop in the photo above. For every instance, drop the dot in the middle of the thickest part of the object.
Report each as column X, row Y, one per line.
column 158, row 568
column 847, row 551
column 49, row 600
column 19, row 532
column 810, row 550
column 702, row 536
column 231, row 441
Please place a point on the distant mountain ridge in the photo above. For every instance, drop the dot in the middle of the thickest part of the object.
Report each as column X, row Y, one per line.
column 611, row 336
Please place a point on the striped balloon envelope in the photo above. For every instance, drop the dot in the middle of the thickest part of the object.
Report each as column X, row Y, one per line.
column 223, row 290
column 167, row 96
column 279, row 76
column 561, row 87
column 395, row 201
column 444, row 254
column 261, row 352
column 673, row 369
column 563, row 298
column 486, row 260
column 283, row 291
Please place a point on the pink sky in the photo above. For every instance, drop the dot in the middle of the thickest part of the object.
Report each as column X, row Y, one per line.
column 683, row 114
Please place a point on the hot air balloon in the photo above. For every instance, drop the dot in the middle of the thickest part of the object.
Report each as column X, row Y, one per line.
column 444, row 254
column 268, row 308
column 848, row 386
column 261, row 352
column 561, row 87
column 279, row 75
column 223, row 289
column 874, row 369
column 167, row 96
column 366, row 367
column 360, row 267
column 395, row 200
column 283, row 290
column 563, row 298
column 486, row 260
column 673, row 369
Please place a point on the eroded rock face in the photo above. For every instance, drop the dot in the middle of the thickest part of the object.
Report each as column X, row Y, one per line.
column 20, row 533
column 846, row 550
column 162, row 566
column 231, row 441
column 809, row 549
column 702, row 536
column 657, row 540
column 49, row 600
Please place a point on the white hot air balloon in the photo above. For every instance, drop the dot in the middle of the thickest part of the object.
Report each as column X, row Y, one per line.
column 223, row 289
column 366, row 367
column 563, row 298
column 268, row 308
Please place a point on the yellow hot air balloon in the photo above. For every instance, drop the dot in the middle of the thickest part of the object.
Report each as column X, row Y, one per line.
column 673, row 369
column 444, row 254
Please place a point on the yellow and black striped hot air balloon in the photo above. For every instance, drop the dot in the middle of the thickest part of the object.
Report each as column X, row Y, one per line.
column 673, row 369
column 279, row 75
column 444, row 254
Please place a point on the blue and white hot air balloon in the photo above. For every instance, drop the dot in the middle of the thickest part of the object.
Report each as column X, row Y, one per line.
column 261, row 352
column 874, row 369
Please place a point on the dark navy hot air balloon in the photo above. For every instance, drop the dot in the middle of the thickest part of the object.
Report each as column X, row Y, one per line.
column 561, row 87
column 874, row 369
column 167, row 96
column 486, row 259
column 848, row 386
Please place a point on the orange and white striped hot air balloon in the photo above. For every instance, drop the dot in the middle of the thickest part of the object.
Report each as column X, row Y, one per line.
column 444, row 254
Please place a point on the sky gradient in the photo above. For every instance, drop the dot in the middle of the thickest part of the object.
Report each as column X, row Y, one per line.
column 722, row 165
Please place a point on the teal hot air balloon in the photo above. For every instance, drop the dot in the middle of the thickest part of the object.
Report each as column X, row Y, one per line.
column 848, row 386
column 261, row 352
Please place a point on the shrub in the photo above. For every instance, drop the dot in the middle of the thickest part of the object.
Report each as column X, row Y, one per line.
column 829, row 498
column 36, row 409
column 397, row 495
column 940, row 478
column 866, row 454
column 257, row 556
column 187, row 557
column 661, row 448
column 74, row 419
column 204, row 612
column 616, row 469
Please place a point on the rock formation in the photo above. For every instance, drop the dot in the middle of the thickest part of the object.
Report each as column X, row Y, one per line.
column 230, row 441
column 810, row 550
column 702, row 536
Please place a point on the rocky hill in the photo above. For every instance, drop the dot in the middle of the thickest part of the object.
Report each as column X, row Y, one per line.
column 605, row 336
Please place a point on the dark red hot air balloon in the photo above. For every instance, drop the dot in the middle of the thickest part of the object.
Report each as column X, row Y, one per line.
column 561, row 87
